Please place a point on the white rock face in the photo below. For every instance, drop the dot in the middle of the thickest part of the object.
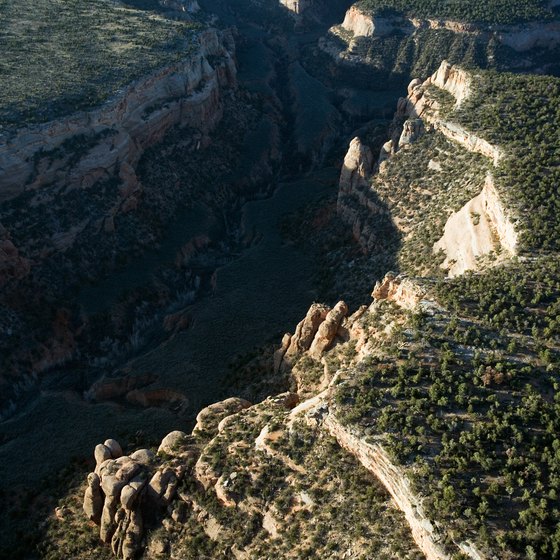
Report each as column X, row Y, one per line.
column 419, row 104
column 365, row 25
column 480, row 227
column 521, row 38
column 452, row 79
column 398, row 289
column 295, row 6
column 357, row 167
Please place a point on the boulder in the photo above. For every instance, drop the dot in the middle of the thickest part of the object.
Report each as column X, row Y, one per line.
column 143, row 456
column 413, row 85
column 163, row 485
column 101, row 454
column 93, row 499
column 113, row 446
column 174, row 444
column 130, row 493
column 209, row 418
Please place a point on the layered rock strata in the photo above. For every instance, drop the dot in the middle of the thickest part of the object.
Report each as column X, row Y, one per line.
column 520, row 38
column 79, row 150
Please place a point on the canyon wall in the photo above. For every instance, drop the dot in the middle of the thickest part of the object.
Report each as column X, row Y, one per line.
column 420, row 104
column 481, row 227
column 520, row 38
column 78, row 150
column 376, row 460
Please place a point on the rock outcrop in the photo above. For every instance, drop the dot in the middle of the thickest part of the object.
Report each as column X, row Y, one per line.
column 328, row 330
column 376, row 460
column 420, row 104
column 353, row 190
column 314, row 335
column 412, row 130
column 479, row 228
column 209, row 418
column 399, row 290
column 357, row 166
column 363, row 24
column 297, row 7
column 452, row 79
column 124, row 490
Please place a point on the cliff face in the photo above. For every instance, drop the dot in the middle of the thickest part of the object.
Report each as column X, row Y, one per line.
column 205, row 482
column 295, row 6
column 81, row 149
column 420, row 104
column 520, row 38
column 198, row 492
column 363, row 25
column 481, row 225
column 395, row 47
column 72, row 200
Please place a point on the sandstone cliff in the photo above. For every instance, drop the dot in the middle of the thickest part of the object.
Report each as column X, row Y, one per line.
column 421, row 104
column 206, row 481
column 83, row 148
column 481, row 227
column 520, row 38
column 476, row 226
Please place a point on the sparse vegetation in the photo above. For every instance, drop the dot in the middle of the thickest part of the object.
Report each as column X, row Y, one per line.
column 468, row 400
column 478, row 11
column 522, row 114
column 60, row 57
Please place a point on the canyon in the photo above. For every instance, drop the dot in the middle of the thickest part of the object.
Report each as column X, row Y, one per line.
column 155, row 250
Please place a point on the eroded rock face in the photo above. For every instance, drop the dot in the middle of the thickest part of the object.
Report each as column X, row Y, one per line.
column 377, row 461
column 355, row 205
column 295, row 6
column 305, row 331
column 452, row 79
column 478, row 229
column 328, row 330
column 358, row 23
column 126, row 488
column 357, row 167
column 419, row 104
column 412, row 130
column 531, row 36
column 93, row 498
column 398, row 289
column 314, row 334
